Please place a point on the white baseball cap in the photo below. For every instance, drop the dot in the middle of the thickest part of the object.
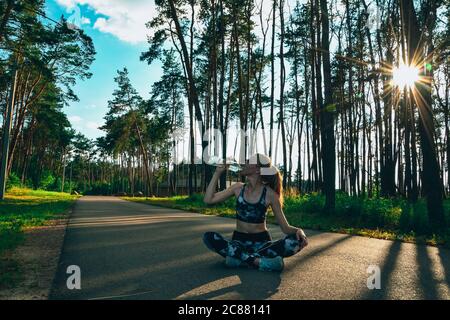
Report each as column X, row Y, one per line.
column 264, row 162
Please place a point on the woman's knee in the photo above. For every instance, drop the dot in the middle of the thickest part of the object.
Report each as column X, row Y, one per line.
column 208, row 239
column 208, row 235
column 214, row 241
column 292, row 245
column 211, row 237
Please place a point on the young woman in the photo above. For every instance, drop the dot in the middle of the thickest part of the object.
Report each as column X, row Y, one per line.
column 252, row 244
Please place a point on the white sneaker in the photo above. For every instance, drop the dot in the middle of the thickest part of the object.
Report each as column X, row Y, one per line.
column 271, row 264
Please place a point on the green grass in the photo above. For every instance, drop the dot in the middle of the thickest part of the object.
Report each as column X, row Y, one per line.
column 392, row 219
column 22, row 209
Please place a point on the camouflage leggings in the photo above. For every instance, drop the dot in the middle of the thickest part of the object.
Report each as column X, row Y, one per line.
column 247, row 247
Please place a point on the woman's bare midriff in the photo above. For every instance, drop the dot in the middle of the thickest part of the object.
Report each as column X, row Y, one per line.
column 246, row 227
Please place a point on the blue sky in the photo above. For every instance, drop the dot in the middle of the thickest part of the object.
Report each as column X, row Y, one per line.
column 119, row 42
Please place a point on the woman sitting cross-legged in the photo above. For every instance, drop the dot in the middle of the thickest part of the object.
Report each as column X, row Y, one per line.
column 251, row 243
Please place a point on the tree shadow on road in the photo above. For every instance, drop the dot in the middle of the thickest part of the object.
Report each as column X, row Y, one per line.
column 428, row 285
column 425, row 284
column 312, row 253
column 386, row 273
column 444, row 255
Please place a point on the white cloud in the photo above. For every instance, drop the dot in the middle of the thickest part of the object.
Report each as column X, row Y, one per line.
column 91, row 129
column 92, row 125
column 75, row 119
column 124, row 19
column 88, row 128
column 69, row 4
column 85, row 20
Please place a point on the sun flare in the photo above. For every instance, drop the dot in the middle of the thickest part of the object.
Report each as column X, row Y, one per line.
column 405, row 76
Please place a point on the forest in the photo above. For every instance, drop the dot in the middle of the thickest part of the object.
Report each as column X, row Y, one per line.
column 351, row 99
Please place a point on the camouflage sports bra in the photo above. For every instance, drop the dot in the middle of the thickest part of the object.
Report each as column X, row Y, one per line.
column 251, row 212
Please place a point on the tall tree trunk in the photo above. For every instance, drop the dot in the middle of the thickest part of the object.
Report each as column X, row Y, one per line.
column 282, row 85
column 188, row 61
column 327, row 117
column 222, row 31
column 272, row 78
column 63, row 175
column 432, row 184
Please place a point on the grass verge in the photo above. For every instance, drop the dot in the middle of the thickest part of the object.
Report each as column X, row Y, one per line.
column 21, row 210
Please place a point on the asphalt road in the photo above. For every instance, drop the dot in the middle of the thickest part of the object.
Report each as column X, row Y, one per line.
column 128, row 250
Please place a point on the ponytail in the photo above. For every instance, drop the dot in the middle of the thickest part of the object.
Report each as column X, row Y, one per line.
column 275, row 181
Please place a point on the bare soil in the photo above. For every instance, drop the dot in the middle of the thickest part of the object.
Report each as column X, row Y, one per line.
column 33, row 264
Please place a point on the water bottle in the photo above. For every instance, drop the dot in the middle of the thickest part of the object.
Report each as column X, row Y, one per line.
column 234, row 167
column 232, row 164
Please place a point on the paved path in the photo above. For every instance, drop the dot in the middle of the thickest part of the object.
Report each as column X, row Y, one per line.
column 135, row 251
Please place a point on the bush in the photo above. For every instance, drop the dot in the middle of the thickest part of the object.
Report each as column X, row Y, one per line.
column 348, row 206
column 405, row 222
column 311, row 203
column 196, row 198
column 99, row 188
column 391, row 218
column 13, row 181
column 359, row 212
column 47, row 181
column 420, row 222
column 381, row 213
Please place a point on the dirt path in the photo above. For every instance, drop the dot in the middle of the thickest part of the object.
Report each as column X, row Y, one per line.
column 36, row 261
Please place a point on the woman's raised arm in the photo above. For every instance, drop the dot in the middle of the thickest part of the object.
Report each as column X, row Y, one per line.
column 211, row 196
